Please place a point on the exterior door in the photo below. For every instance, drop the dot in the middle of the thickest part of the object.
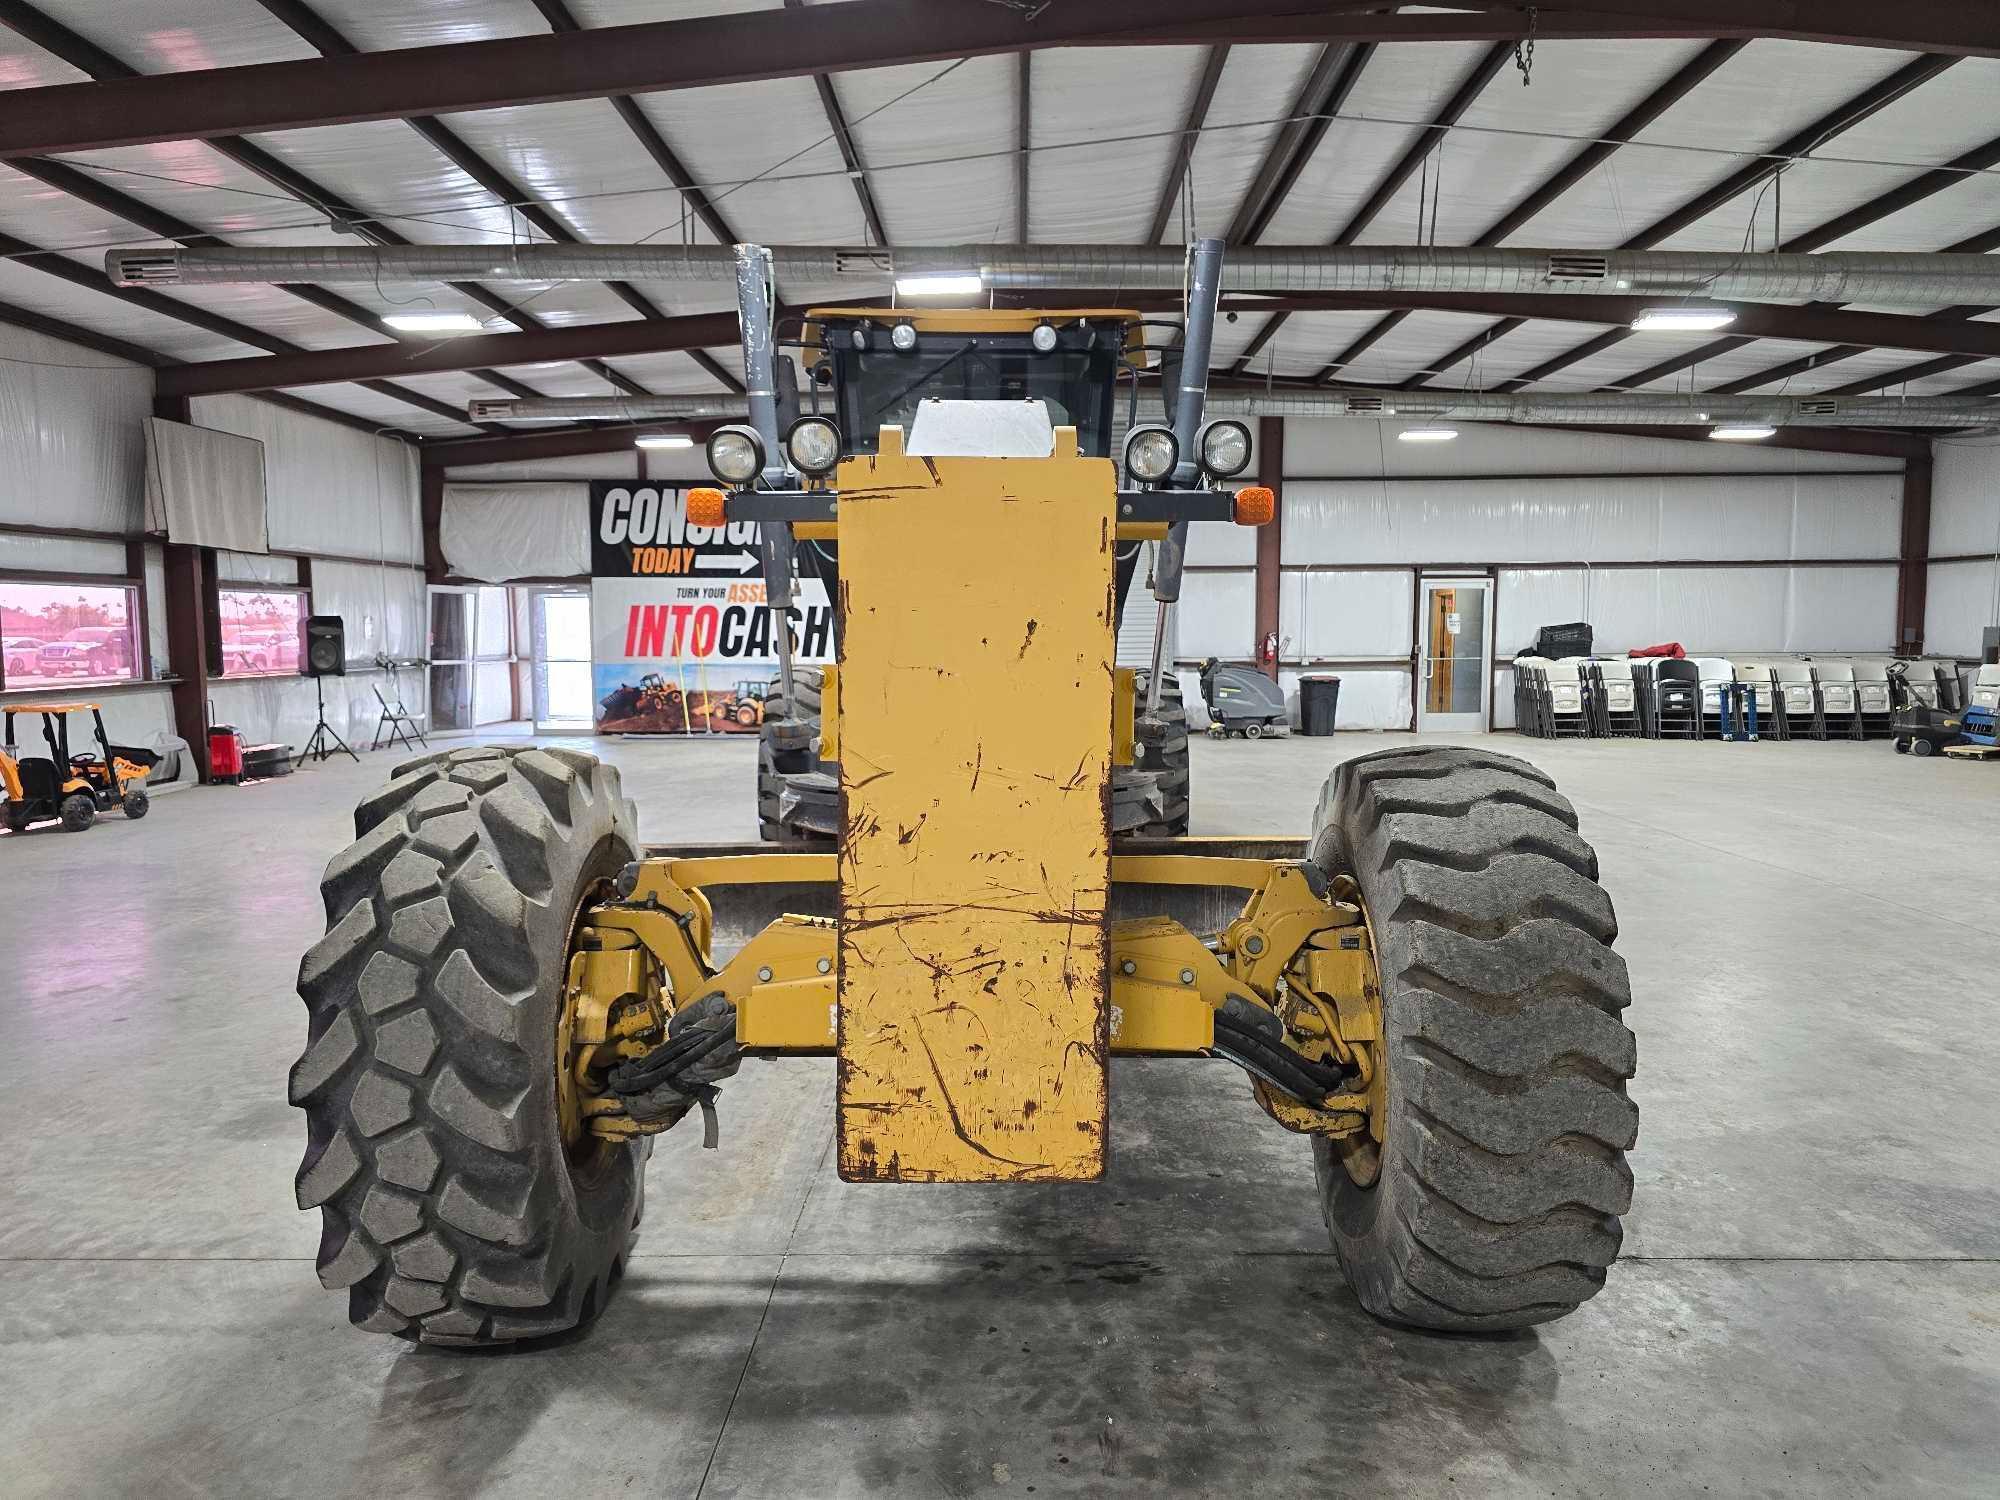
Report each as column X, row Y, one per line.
column 1456, row 650
column 561, row 622
column 453, row 633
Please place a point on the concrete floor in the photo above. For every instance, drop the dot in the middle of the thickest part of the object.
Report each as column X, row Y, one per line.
column 1809, row 1303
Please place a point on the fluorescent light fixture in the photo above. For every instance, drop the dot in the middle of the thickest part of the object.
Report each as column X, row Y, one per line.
column 1427, row 434
column 1741, row 432
column 1684, row 317
column 657, row 440
column 432, row 322
column 941, row 284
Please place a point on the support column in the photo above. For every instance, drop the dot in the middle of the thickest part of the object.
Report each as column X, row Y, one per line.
column 1914, row 570
column 430, row 491
column 1271, row 538
column 187, row 621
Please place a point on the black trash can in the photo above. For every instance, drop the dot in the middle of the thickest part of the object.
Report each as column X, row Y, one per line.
column 1319, row 702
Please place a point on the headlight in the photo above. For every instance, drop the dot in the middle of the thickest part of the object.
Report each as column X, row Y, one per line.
column 735, row 455
column 904, row 337
column 1225, row 449
column 1151, row 454
column 813, row 445
column 1044, row 337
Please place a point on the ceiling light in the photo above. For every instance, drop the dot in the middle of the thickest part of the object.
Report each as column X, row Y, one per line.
column 1684, row 317
column 432, row 322
column 653, row 441
column 1741, row 432
column 941, row 284
column 1427, row 434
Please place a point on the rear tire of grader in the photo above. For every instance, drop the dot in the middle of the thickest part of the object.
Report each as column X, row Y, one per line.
column 1502, row 1174
column 452, row 1210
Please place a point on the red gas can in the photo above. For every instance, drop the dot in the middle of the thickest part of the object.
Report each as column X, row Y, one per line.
column 225, row 753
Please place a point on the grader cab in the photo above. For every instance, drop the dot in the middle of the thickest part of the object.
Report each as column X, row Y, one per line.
column 513, row 996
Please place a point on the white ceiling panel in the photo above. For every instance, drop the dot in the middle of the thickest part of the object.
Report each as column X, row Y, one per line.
column 1308, row 340
column 1767, row 92
column 928, row 153
column 23, row 65
column 1257, row 86
column 379, row 25
column 1716, row 370
column 765, row 155
column 179, row 36
column 384, row 411
column 273, row 310
column 580, row 161
column 675, row 374
column 1132, row 100
column 52, row 219
column 198, row 184
column 1514, row 138
column 1415, row 346
column 1955, row 381
column 1401, row 83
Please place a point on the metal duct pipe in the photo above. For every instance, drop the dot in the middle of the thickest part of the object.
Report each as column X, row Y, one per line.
column 1914, row 279
column 1374, row 405
column 610, row 409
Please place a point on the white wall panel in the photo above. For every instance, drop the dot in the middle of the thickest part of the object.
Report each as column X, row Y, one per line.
column 623, row 464
column 255, row 567
column 1212, row 544
column 1840, row 609
column 60, row 554
column 1322, row 446
column 1529, row 598
column 1962, row 600
column 383, row 607
column 497, row 532
column 1965, row 497
column 1368, row 700
column 1217, row 615
column 331, row 489
column 71, row 453
column 1328, row 615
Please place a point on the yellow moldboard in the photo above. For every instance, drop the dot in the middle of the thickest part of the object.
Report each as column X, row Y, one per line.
column 975, row 854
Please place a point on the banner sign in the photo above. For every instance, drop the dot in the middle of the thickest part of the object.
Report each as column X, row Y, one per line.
column 681, row 640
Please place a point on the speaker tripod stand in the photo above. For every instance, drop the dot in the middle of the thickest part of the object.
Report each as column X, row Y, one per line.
column 326, row 740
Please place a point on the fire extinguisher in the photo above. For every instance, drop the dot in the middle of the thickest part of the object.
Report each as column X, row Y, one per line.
column 1267, row 650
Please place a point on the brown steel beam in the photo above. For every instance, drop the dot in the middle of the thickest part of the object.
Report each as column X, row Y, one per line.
column 1843, row 117
column 1490, row 62
column 700, row 51
column 323, row 366
column 1271, row 536
column 1914, row 559
column 1197, row 116
column 430, row 512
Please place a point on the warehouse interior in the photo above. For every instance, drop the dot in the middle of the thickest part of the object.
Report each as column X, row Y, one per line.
column 1623, row 382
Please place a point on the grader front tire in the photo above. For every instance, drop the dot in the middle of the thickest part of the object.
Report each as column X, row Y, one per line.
column 1502, row 1171
column 452, row 1210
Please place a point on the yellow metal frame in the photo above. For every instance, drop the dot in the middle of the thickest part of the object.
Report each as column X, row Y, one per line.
column 1307, row 958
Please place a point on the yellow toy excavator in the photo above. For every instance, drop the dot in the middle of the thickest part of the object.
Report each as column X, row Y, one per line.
column 73, row 786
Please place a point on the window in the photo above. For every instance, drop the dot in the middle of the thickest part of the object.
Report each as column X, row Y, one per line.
column 260, row 630
column 67, row 634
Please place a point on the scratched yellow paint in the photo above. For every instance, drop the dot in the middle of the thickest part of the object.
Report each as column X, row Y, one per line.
column 974, row 857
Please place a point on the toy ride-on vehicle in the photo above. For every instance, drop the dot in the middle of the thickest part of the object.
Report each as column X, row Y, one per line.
column 74, row 786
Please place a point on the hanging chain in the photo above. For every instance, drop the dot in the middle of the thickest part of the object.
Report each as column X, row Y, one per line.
column 1524, row 50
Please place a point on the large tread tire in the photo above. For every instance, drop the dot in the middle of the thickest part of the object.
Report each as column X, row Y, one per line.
column 1166, row 758
column 450, row 1212
column 788, row 745
column 1502, row 1172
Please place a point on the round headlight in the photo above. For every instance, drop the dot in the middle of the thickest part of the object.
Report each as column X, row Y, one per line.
column 857, row 339
column 1151, row 454
column 735, row 454
column 904, row 336
column 813, row 445
column 1225, row 449
column 1044, row 337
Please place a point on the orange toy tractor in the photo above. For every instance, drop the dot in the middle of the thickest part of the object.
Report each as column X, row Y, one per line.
column 74, row 786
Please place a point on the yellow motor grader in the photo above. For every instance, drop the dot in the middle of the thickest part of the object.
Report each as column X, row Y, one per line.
column 513, row 996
